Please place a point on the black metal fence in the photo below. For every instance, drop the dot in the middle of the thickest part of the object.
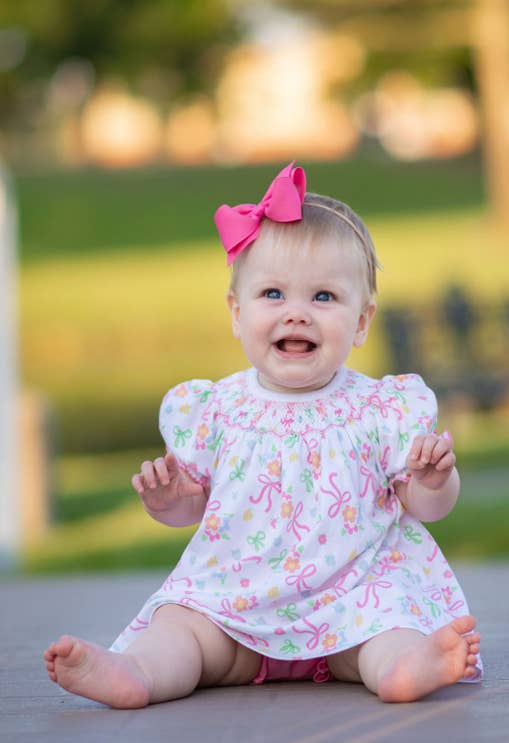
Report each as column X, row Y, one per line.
column 461, row 347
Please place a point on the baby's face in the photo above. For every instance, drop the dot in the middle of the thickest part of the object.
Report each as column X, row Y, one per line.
column 298, row 310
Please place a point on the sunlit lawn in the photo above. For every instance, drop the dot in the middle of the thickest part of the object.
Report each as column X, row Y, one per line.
column 88, row 211
column 105, row 335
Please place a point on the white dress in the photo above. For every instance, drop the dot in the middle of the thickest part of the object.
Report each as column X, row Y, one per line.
column 304, row 549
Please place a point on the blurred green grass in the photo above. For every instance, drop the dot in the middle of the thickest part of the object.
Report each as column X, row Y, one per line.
column 86, row 210
column 105, row 335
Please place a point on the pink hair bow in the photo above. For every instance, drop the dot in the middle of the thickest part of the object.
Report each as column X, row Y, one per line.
column 238, row 226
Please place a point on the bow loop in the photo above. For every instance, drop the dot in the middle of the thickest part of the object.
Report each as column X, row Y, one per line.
column 238, row 226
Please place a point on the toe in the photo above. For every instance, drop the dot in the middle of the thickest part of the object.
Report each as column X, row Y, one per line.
column 65, row 645
column 465, row 624
column 50, row 652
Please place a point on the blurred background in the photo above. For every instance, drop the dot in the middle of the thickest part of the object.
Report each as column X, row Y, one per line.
column 125, row 123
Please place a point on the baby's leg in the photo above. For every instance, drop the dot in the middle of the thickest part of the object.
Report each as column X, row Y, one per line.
column 403, row 665
column 180, row 650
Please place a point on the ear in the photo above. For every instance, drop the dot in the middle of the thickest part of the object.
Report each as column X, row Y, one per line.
column 365, row 318
column 234, row 308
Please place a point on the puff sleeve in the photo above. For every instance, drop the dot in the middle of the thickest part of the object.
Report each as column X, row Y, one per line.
column 186, row 423
column 405, row 408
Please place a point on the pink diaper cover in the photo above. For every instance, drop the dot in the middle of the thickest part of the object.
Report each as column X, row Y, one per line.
column 273, row 669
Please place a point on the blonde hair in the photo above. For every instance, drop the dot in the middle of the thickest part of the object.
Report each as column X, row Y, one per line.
column 324, row 218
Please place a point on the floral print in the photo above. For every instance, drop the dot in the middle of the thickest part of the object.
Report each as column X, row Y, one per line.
column 304, row 549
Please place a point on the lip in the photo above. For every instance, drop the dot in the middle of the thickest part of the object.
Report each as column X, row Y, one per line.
column 295, row 337
column 294, row 354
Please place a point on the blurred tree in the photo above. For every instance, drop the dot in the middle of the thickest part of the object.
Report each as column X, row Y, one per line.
column 161, row 47
column 491, row 41
column 443, row 42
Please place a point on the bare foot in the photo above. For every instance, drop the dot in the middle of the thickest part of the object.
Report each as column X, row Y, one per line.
column 436, row 660
column 94, row 672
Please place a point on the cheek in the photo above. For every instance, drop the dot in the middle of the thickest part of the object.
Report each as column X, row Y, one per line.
column 340, row 332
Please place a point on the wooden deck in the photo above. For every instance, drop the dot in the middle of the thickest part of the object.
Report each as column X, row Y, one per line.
column 33, row 612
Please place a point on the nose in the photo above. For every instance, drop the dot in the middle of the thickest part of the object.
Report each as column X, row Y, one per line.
column 296, row 313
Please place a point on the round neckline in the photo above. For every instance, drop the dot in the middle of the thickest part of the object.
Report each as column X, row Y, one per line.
column 300, row 397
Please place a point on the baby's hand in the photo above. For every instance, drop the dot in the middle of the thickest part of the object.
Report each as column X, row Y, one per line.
column 431, row 459
column 161, row 483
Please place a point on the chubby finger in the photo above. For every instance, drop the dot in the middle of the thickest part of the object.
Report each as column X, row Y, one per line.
column 415, row 450
column 138, row 483
column 171, row 464
column 161, row 470
column 447, row 461
column 444, row 444
column 148, row 472
column 442, row 448
column 430, row 443
column 447, row 436
column 439, row 450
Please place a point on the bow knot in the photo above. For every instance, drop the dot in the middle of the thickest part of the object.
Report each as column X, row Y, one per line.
column 238, row 226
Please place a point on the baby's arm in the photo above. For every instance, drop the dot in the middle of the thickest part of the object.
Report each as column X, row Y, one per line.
column 168, row 494
column 433, row 488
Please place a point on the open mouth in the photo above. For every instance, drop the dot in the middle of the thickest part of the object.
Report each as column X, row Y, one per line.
column 295, row 345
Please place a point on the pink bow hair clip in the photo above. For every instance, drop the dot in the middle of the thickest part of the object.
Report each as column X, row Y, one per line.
column 238, row 226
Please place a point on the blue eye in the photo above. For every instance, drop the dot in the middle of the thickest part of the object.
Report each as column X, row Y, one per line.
column 273, row 294
column 324, row 297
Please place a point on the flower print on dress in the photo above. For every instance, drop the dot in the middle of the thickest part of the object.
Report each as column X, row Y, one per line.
column 181, row 390
column 286, row 573
column 327, row 598
column 286, row 509
column 216, row 527
column 410, row 606
column 329, row 641
column 202, row 433
column 314, row 458
column 243, row 603
column 212, row 524
column 274, row 467
column 350, row 525
column 292, row 563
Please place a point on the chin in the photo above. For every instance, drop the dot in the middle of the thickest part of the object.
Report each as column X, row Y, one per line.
column 297, row 385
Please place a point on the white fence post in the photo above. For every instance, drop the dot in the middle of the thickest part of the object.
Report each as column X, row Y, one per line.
column 10, row 507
